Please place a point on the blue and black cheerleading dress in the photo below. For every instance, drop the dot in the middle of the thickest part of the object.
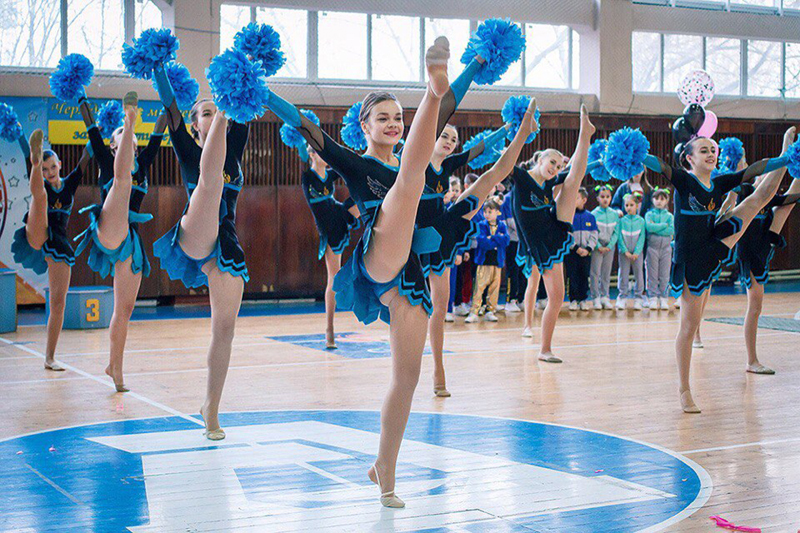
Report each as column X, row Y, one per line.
column 332, row 218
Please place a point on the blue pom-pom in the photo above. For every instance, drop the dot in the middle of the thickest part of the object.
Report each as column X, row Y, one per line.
column 110, row 117
column 731, row 151
column 261, row 43
column 72, row 74
column 490, row 153
column 10, row 129
column 625, row 153
column 152, row 48
column 183, row 85
column 500, row 42
column 239, row 85
column 793, row 166
column 514, row 111
column 596, row 151
column 291, row 137
column 352, row 134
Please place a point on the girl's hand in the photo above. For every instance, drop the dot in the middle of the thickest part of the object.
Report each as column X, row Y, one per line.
column 466, row 256
column 459, row 259
column 603, row 249
column 634, row 257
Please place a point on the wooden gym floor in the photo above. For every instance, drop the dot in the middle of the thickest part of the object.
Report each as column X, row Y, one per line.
column 742, row 453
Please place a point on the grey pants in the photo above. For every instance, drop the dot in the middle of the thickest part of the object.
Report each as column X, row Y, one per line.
column 625, row 268
column 600, row 273
column 659, row 259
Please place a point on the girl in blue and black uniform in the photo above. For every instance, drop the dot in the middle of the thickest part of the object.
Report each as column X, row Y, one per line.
column 384, row 277
column 544, row 220
column 754, row 252
column 112, row 238
column 42, row 244
column 203, row 248
column 456, row 233
column 702, row 242
column 333, row 219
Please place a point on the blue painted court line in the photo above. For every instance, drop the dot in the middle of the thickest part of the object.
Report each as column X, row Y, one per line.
column 351, row 344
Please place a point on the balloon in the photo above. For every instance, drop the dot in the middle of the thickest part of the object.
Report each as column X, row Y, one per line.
column 697, row 87
column 694, row 115
column 681, row 131
column 709, row 126
column 676, row 154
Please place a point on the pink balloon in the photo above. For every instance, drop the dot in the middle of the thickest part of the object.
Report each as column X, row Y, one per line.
column 709, row 127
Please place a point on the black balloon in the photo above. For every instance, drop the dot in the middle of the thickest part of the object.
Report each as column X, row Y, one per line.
column 681, row 131
column 695, row 115
column 676, row 154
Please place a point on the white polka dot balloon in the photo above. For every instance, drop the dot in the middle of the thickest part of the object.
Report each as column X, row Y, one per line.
column 697, row 87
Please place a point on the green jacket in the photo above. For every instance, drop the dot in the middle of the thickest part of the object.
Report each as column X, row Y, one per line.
column 631, row 234
column 607, row 220
column 660, row 222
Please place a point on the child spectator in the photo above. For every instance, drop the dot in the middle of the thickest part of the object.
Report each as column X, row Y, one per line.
column 607, row 219
column 660, row 226
column 630, row 240
column 490, row 256
column 578, row 261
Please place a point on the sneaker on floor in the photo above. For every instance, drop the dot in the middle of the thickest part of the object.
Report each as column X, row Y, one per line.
column 606, row 301
column 490, row 317
column 663, row 304
column 449, row 317
column 527, row 333
column 471, row 318
column 697, row 344
column 637, row 304
column 598, row 304
column 461, row 310
column 585, row 305
column 513, row 307
column 541, row 304
column 621, row 303
column 654, row 304
column 573, row 305
column 677, row 303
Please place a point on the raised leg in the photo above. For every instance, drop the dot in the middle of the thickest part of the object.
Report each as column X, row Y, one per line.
column 126, row 289
column 36, row 226
column 113, row 227
column 565, row 202
column 200, row 225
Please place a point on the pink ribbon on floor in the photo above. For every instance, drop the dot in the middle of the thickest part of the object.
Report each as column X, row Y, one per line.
column 721, row 522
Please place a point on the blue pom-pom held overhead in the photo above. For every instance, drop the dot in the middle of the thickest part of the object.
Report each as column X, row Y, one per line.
column 110, row 117
column 10, row 129
column 731, row 151
column 596, row 151
column 239, row 85
column 352, row 134
column 514, row 111
column 793, row 165
column 184, row 86
column 153, row 48
column 261, row 43
column 291, row 137
column 71, row 75
column 500, row 43
column 490, row 153
column 625, row 153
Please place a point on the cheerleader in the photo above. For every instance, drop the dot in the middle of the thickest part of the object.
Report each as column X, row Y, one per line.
column 754, row 252
column 42, row 244
column 456, row 233
column 112, row 238
column 545, row 221
column 702, row 242
column 333, row 219
column 203, row 248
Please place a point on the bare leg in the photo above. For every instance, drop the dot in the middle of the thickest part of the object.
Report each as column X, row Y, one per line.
column 36, row 227
column 749, row 208
column 200, row 225
column 394, row 228
column 333, row 263
column 126, row 289
column 58, row 274
column 530, row 297
column 691, row 315
column 113, row 227
column 781, row 214
column 440, row 295
column 407, row 338
column 554, row 284
column 225, row 292
column 698, row 341
column 565, row 201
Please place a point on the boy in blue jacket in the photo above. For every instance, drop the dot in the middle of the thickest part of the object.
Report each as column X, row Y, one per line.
column 579, row 261
column 490, row 256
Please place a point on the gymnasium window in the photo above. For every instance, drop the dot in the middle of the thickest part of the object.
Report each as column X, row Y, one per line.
column 646, row 62
column 548, row 56
column 724, row 63
column 456, row 30
column 792, row 70
column 764, row 68
column 682, row 55
column 395, row 48
column 764, row 7
column 342, row 45
column 31, row 30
